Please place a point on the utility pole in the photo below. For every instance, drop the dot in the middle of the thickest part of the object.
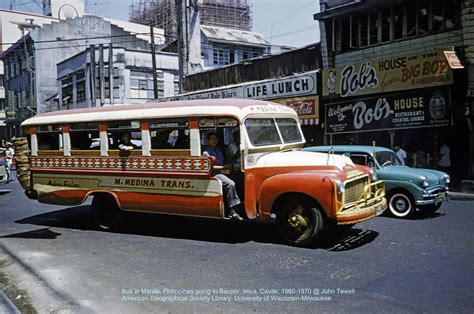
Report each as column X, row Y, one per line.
column 111, row 73
column 92, row 72
column 101, row 75
column 180, row 42
column 153, row 62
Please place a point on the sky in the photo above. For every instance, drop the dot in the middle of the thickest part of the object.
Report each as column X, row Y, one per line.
column 282, row 22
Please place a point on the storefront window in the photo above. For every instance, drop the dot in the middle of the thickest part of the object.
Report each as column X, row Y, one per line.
column 374, row 27
column 398, row 14
column 364, row 30
column 354, row 31
column 386, row 23
column 424, row 13
column 411, row 18
column 452, row 12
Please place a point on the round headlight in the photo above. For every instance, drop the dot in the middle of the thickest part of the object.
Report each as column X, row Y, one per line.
column 447, row 179
column 373, row 175
column 424, row 182
column 340, row 186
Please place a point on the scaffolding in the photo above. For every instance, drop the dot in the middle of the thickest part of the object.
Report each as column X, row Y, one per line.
column 234, row 14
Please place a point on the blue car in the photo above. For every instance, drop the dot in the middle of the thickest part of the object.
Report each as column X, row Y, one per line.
column 407, row 189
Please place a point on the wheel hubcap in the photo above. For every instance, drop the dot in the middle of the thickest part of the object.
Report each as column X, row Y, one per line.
column 401, row 204
column 297, row 221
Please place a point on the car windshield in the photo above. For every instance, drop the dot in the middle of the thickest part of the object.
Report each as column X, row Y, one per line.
column 387, row 159
column 264, row 131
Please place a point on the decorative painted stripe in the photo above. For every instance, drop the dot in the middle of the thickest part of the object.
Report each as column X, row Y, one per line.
column 169, row 164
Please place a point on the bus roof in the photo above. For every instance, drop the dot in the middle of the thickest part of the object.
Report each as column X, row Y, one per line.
column 238, row 108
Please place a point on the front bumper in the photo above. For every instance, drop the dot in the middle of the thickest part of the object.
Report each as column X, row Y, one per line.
column 433, row 198
column 372, row 204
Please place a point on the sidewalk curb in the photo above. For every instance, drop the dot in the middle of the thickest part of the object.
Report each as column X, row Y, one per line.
column 10, row 305
column 458, row 196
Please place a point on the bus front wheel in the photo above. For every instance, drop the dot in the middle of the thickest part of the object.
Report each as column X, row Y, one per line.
column 299, row 222
column 106, row 214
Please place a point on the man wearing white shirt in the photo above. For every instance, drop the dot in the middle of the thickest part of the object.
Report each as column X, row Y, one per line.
column 9, row 154
column 402, row 155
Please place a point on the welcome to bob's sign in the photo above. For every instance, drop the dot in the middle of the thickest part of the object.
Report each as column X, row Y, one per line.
column 388, row 75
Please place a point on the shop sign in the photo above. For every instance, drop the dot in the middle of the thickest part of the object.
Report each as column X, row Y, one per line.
column 388, row 75
column 307, row 108
column 290, row 86
column 408, row 110
column 453, row 60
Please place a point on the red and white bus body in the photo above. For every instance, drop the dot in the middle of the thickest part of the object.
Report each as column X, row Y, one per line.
column 179, row 180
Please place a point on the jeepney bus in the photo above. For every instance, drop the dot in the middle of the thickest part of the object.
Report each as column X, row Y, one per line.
column 74, row 156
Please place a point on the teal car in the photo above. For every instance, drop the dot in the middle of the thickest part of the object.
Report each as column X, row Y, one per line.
column 407, row 189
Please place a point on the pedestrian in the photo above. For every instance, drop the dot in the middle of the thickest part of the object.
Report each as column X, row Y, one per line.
column 402, row 155
column 444, row 162
column 221, row 172
column 9, row 155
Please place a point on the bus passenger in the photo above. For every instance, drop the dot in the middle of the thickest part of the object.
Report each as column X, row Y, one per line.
column 125, row 142
column 221, row 172
column 161, row 140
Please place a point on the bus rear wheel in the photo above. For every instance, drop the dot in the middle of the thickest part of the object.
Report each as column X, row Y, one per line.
column 299, row 221
column 106, row 214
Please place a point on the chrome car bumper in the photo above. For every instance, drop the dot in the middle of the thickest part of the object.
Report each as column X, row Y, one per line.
column 436, row 198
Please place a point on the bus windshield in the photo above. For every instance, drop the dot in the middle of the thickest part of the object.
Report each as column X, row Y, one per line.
column 266, row 131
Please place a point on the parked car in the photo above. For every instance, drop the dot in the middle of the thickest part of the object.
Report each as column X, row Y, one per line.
column 407, row 189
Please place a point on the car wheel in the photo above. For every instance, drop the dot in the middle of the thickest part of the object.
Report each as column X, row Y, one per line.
column 401, row 205
column 299, row 222
column 106, row 214
column 430, row 209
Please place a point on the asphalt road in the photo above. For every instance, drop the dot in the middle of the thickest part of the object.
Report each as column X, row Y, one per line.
column 175, row 264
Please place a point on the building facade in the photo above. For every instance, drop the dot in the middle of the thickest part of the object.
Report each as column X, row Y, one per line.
column 400, row 73
column 223, row 46
column 13, row 25
column 129, row 73
column 290, row 78
column 30, row 64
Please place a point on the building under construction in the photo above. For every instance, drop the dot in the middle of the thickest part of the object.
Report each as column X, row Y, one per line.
column 162, row 13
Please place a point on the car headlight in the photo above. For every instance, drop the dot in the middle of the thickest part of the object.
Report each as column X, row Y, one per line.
column 424, row 182
column 447, row 179
column 373, row 175
column 340, row 186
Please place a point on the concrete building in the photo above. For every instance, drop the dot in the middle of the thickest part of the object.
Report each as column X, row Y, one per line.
column 131, row 77
column 400, row 72
column 30, row 64
column 223, row 46
column 15, row 24
column 290, row 78
column 234, row 14
column 12, row 25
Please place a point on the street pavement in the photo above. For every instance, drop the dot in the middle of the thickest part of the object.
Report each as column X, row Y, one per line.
column 163, row 263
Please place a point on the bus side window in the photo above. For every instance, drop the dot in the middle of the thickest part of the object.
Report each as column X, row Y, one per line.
column 224, row 127
column 84, row 136
column 169, row 134
column 118, row 131
column 49, row 137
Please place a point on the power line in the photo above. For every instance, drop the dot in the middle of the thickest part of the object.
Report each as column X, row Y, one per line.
column 73, row 39
column 291, row 14
column 295, row 31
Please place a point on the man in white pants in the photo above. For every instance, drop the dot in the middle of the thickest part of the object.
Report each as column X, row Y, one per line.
column 9, row 153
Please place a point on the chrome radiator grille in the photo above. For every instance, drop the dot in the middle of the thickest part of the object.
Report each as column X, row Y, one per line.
column 354, row 190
